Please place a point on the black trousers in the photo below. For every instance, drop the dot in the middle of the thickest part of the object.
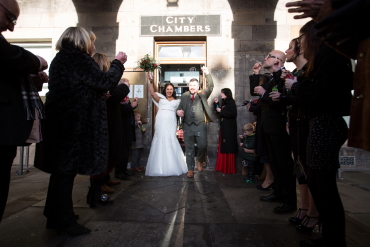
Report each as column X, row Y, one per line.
column 7, row 155
column 324, row 190
column 282, row 167
column 122, row 165
column 59, row 205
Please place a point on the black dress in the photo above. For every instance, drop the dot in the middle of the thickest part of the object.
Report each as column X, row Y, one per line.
column 328, row 95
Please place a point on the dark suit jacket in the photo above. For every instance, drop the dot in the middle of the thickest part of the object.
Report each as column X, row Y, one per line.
column 273, row 113
column 16, row 64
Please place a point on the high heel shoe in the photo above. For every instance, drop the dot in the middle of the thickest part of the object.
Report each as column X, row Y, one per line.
column 303, row 226
column 296, row 220
column 267, row 188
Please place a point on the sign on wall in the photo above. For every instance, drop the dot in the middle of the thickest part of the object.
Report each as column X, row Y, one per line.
column 184, row 25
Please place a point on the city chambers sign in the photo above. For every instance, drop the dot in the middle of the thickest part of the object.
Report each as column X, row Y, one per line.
column 184, row 25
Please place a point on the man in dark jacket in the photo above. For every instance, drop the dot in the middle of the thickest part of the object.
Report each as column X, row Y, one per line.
column 273, row 122
column 20, row 105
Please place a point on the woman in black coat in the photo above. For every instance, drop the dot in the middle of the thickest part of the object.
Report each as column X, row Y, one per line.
column 228, row 143
column 75, row 131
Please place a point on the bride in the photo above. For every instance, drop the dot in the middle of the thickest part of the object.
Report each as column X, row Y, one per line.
column 166, row 157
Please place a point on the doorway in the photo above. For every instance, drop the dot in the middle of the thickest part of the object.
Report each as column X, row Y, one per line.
column 180, row 61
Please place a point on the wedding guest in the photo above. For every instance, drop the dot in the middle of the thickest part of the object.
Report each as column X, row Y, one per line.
column 76, row 131
column 19, row 124
column 328, row 71
column 248, row 142
column 138, row 145
column 273, row 122
column 307, row 215
column 115, row 132
column 127, row 114
column 261, row 146
column 227, row 142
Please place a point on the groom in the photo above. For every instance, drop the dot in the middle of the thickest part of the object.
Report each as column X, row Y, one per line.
column 195, row 110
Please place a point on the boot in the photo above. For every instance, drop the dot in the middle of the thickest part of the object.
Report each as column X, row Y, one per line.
column 244, row 168
column 107, row 189
column 97, row 198
column 249, row 179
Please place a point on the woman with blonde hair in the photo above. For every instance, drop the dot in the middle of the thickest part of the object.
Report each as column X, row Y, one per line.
column 75, row 130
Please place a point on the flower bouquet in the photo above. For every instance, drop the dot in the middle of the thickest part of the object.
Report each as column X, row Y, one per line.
column 147, row 63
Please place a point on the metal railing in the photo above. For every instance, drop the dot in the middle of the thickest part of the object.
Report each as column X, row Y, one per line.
column 22, row 171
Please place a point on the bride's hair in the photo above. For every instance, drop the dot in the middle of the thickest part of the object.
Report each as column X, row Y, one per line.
column 165, row 87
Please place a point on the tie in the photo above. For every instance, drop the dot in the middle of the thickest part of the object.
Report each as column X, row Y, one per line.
column 192, row 97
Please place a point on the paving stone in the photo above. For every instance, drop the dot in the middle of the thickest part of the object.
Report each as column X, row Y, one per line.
column 209, row 210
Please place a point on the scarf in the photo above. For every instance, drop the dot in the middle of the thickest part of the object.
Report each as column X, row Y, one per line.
column 31, row 99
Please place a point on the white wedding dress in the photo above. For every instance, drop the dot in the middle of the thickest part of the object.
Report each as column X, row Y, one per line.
column 166, row 157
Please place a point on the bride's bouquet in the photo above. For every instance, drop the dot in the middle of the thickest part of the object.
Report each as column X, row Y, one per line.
column 147, row 63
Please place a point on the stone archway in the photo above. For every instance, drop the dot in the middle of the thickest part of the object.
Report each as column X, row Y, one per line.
column 101, row 17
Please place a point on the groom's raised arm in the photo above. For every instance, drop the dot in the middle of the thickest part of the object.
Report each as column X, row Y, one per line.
column 209, row 82
column 208, row 90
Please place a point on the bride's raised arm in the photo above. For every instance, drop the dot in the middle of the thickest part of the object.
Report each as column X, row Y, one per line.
column 151, row 88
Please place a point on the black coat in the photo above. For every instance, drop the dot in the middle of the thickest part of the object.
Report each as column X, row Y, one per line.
column 273, row 113
column 228, row 127
column 16, row 64
column 115, row 127
column 128, row 124
column 75, row 128
column 328, row 90
column 261, row 146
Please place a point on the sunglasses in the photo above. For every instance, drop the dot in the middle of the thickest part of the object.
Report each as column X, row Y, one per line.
column 12, row 17
column 269, row 55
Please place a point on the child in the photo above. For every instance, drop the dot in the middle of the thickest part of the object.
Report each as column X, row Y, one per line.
column 248, row 142
column 138, row 146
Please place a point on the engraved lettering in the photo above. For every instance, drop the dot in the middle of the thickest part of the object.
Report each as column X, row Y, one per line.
column 178, row 28
column 168, row 19
column 153, row 28
column 208, row 28
column 191, row 19
column 182, row 19
column 199, row 29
